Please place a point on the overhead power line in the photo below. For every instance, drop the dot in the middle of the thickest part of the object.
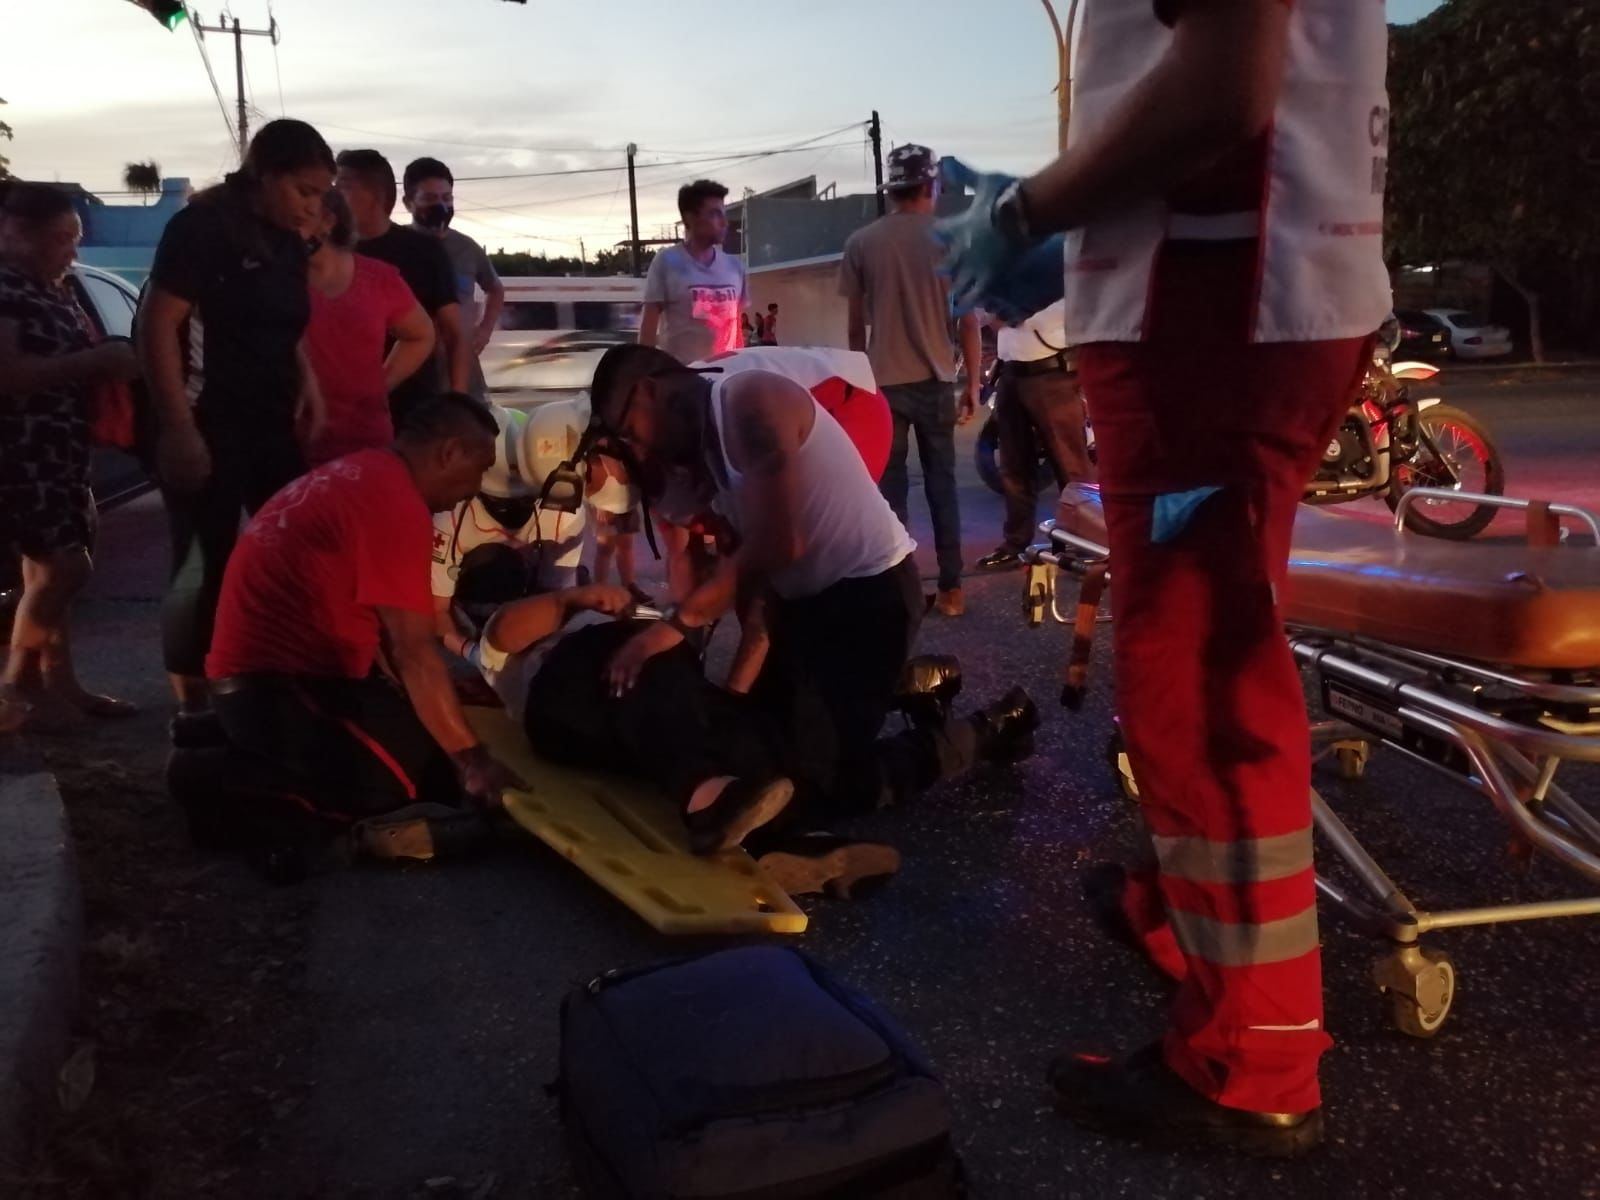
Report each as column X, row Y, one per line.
column 672, row 162
column 222, row 105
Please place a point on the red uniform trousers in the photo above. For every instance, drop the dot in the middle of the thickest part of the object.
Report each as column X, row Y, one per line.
column 1205, row 442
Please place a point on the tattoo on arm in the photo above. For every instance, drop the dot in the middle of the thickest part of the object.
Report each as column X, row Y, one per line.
column 760, row 440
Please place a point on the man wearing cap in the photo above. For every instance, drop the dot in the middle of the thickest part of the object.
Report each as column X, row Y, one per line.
column 1222, row 199
column 503, row 544
column 900, row 315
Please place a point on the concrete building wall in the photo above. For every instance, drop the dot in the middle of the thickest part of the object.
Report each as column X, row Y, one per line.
column 810, row 310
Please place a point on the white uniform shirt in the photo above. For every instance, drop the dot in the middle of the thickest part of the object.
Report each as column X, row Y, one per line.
column 469, row 526
column 1320, row 221
column 1041, row 336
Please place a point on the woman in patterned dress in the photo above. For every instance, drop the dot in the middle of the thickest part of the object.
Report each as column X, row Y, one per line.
column 49, row 364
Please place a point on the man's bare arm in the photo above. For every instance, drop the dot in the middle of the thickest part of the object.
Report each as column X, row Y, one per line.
column 1215, row 89
column 457, row 349
column 523, row 623
column 768, row 420
column 444, row 624
column 650, row 325
column 754, row 642
column 858, row 324
column 414, row 652
column 494, row 300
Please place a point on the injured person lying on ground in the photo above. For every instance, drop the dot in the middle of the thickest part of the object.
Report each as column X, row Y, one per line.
column 739, row 776
column 828, row 599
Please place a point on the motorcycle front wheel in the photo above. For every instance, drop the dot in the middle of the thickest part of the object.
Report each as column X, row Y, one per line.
column 1454, row 452
column 986, row 457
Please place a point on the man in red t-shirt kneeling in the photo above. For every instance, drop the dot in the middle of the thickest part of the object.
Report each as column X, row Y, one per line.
column 324, row 663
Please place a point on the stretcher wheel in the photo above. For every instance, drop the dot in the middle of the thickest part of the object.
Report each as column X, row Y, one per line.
column 1421, row 990
column 1122, row 767
column 1351, row 758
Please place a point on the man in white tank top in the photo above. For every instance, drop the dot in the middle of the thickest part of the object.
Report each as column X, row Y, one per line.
column 819, row 561
column 1222, row 198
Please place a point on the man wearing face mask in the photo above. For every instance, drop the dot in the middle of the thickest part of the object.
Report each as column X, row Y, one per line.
column 428, row 191
column 501, row 544
column 367, row 183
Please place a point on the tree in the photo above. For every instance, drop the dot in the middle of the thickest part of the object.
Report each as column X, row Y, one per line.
column 144, row 178
column 5, row 163
column 1495, row 139
column 606, row 262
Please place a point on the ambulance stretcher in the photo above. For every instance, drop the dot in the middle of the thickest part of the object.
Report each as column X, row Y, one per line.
column 1481, row 661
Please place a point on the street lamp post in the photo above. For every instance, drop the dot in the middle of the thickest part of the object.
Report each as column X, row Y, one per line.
column 1063, row 67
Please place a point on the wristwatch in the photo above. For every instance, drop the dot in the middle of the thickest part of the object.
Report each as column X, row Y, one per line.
column 671, row 618
column 1010, row 215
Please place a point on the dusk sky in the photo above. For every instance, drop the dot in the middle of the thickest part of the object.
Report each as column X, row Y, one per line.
column 505, row 89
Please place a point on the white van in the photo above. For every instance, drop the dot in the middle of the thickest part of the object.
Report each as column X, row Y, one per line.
column 553, row 331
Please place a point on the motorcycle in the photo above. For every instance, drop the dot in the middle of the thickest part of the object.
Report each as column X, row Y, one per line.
column 1388, row 444
column 1391, row 443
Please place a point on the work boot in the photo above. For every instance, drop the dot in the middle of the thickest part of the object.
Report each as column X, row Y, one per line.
column 950, row 602
column 826, row 863
column 1144, row 1099
column 929, row 685
column 742, row 807
column 420, row 833
column 1006, row 728
column 1002, row 558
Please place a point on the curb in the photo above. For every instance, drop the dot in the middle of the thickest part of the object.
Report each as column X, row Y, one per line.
column 1493, row 367
column 41, row 936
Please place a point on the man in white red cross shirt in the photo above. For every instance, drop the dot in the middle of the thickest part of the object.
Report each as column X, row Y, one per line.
column 1222, row 201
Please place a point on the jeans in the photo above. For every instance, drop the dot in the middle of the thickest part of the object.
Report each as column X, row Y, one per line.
column 928, row 409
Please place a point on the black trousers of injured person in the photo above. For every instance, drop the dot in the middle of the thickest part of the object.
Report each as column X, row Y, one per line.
column 339, row 750
column 831, row 676
column 676, row 729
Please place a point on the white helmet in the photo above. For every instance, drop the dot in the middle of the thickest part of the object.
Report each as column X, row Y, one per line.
column 507, row 478
column 550, row 437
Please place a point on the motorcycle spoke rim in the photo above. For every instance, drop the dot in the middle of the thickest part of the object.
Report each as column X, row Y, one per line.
column 1458, row 461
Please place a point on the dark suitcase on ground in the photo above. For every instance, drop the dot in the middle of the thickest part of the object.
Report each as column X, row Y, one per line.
column 749, row 1074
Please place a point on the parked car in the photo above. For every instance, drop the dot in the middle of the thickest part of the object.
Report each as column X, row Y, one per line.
column 553, row 332
column 110, row 301
column 1471, row 337
column 1421, row 335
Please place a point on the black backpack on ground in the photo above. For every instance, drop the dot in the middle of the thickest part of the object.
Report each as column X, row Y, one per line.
column 749, row 1074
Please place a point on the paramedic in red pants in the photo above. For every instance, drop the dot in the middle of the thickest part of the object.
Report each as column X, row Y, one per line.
column 1222, row 197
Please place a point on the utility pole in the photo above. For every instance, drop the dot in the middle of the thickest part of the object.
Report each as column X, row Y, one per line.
column 239, row 34
column 875, row 128
column 633, row 208
column 583, row 258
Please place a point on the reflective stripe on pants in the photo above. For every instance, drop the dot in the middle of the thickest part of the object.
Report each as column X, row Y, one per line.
column 1207, row 690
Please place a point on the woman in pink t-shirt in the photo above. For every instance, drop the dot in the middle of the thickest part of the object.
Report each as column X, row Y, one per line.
column 358, row 306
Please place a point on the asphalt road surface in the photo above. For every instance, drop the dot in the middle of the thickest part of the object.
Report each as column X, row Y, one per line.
column 434, row 990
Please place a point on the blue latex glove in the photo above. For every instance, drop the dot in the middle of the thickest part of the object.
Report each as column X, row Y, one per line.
column 1033, row 283
column 987, row 269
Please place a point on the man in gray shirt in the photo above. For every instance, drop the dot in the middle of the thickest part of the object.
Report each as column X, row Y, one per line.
column 890, row 276
column 695, row 292
column 429, row 193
